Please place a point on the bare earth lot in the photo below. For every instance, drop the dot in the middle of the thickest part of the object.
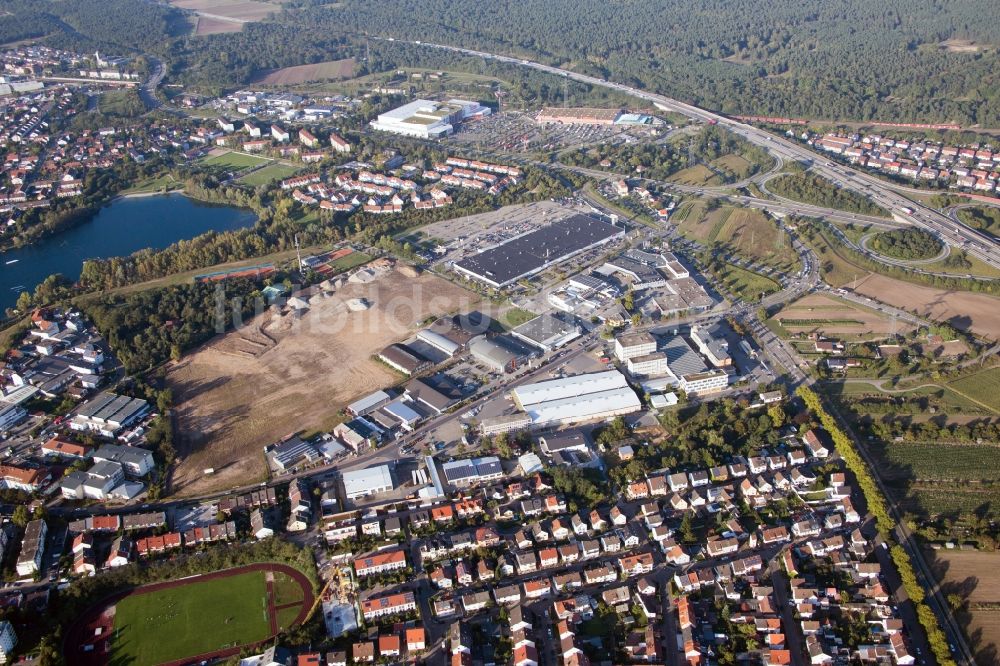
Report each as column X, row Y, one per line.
column 214, row 26
column 281, row 374
column 217, row 16
column 842, row 318
column 967, row 311
column 320, row 71
column 973, row 576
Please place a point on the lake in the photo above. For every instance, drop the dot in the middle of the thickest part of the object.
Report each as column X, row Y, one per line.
column 120, row 228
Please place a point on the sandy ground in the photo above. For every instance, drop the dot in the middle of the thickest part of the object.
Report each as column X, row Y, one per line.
column 282, row 374
column 973, row 576
column 330, row 69
column 966, row 311
column 821, row 306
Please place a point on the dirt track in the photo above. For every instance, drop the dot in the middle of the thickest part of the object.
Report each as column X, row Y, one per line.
column 82, row 632
column 282, row 374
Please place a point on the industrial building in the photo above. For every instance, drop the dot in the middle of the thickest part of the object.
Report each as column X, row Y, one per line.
column 439, row 342
column 650, row 365
column 363, row 482
column 549, row 331
column 641, row 274
column 427, row 119
column 403, row 358
column 497, row 353
column 108, row 413
column 537, row 250
column 682, row 295
column 462, row 473
column 506, row 423
column 565, row 440
column 369, row 403
column 597, row 395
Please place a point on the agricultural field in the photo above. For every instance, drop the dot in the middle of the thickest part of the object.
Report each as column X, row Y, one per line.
column 232, row 160
column 203, row 614
column 220, row 12
column 831, row 316
column 268, row 174
column 967, row 311
column 320, row 71
column 256, row 384
column 207, row 25
column 753, row 234
column 967, row 573
column 983, row 387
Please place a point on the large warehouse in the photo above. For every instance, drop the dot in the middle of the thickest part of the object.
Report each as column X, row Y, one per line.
column 596, row 395
column 537, row 250
column 364, row 482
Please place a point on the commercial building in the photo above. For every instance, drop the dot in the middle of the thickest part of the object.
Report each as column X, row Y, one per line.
column 506, row 423
column 108, row 413
column 579, row 116
column 674, row 267
column 535, row 251
column 135, row 461
column 711, row 342
column 650, row 365
column 705, row 382
column 427, row 119
column 682, row 295
column 634, row 345
column 567, row 440
column 641, row 269
column 11, row 415
column 549, row 331
column 364, row 482
column 462, row 473
column 597, row 395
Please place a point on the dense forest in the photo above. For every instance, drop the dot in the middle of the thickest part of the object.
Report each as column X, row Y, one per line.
column 844, row 59
column 909, row 244
column 816, row 190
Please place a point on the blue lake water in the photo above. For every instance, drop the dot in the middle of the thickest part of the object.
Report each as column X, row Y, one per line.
column 120, row 228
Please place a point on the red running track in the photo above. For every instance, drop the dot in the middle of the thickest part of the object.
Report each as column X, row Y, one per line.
column 82, row 631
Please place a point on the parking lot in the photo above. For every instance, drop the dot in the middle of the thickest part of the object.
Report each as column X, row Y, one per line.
column 518, row 132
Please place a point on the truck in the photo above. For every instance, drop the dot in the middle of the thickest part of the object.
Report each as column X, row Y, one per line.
column 906, row 209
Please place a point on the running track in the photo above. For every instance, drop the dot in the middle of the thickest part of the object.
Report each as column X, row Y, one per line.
column 82, row 631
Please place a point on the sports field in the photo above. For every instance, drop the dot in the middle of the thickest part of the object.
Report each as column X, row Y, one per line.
column 232, row 160
column 268, row 174
column 199, row 618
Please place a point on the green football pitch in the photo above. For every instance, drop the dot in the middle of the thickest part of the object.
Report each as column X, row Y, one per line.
column 191, row 619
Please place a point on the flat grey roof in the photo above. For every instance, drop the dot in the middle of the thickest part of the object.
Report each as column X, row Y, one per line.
column 526, row 254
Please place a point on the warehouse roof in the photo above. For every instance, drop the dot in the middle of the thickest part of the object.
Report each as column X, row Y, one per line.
column 681, row 359
column 569, row 387
column 527, row 254
column 362, row 481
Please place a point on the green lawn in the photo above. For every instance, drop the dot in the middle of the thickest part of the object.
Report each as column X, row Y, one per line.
column 189, row 620
column 268, row 174
column 515, row 317
column 233, row 160
column 746, row 285
column 983, row 387
column 286, row 590
column 160, row 183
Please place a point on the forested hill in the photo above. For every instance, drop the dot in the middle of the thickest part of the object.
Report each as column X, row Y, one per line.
column 847, row 59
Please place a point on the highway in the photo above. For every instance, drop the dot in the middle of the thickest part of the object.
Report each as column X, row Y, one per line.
column 975, row 243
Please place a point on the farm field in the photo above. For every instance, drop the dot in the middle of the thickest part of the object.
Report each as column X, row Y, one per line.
column 970, row 574
column 255, row 385
column 233, row 160
column 983, row 387
column 268, row 174
column 753, row 234
column 206, row 25
column 832, row 316
column 240, row 11
column 320, row 71
column 974, row 312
